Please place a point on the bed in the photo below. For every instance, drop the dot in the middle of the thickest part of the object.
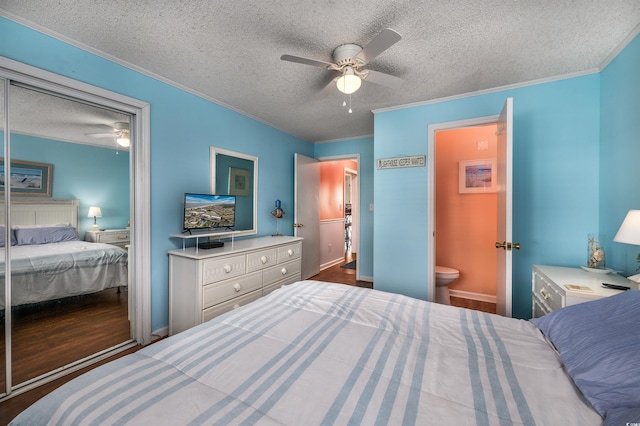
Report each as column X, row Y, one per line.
column 316, row 353
column 49, row 262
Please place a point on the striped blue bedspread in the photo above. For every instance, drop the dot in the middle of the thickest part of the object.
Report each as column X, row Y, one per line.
column 315, row 353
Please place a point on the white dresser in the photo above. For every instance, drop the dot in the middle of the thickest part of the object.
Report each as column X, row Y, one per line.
column 550, row 291
column 206, row 283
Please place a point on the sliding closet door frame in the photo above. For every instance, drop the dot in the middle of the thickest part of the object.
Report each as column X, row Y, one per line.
column 140, row 269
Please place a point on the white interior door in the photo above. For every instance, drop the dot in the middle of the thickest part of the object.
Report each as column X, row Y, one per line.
column 306, row 221
column 504, row 188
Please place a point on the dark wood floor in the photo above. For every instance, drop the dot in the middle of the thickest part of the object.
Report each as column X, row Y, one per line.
column 53, row 334
column 337, row 274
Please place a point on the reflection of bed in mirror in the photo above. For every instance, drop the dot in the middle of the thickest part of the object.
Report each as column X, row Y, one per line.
column 49, row 262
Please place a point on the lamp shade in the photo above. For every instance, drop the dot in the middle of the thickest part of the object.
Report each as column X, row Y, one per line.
column 94, row 212
column 349, row 82
column 629, row 232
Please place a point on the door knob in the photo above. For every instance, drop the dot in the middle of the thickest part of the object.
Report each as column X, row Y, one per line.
column 297, row 225
column 508, row 245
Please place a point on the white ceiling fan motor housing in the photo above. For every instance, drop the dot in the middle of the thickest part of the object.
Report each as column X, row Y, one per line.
column 344, row 55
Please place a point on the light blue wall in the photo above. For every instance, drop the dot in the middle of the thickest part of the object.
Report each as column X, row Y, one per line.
column 555, row 182
column 95, row 176
column 620, row 152
column 183, row 127
column 364, row 147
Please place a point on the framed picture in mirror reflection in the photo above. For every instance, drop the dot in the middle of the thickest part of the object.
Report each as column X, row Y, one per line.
column 27, row 178
column 239, row 181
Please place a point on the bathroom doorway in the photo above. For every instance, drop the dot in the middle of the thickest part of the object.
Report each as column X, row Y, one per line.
column 466, row 210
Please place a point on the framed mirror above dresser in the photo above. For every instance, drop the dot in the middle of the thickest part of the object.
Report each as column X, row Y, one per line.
column 235, row 173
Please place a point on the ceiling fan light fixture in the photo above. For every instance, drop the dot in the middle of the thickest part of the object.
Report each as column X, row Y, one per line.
column 349, row 82
column 123, row 141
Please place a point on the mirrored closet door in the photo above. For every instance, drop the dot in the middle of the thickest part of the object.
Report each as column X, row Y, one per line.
column 65, row 177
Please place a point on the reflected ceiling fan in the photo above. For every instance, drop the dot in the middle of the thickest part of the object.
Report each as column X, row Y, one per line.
column 119, row 131
column 350, row 60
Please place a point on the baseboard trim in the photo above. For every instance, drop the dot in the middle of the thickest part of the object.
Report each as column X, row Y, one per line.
column 331, row 263
column 367, row 279
column 481, row 297
column 160, row 333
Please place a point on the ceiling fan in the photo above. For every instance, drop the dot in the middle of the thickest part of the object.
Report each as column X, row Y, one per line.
column 350, row 60
column 119, row 131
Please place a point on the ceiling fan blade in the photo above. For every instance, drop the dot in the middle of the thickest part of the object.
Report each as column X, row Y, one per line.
column 306, row 61
column 100, row 135
column 326, row 90
column 379, row 44
column 383, row 79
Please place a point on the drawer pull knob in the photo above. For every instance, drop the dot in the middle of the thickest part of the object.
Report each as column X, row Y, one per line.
column 237, row 287
column 544, row 294
column 263, row 259
column 236, row 306
column 227, row 268
column 290, row 252
column 284, row 271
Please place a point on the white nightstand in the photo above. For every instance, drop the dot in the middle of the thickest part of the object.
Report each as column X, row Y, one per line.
column 550, row 291
column 116, row 237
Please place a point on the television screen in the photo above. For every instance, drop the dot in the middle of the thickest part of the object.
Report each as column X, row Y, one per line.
column 208, row 211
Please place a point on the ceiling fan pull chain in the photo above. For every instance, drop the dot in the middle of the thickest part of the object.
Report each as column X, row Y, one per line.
column 350, row 110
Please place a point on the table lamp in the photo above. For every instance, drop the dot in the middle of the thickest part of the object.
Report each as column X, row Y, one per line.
column 94, row 212
column 629, row 233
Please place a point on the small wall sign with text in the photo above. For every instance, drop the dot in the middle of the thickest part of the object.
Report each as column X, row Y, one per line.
column 402, row 162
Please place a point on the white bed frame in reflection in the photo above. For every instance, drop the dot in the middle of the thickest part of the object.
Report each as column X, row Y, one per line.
column 30, row 211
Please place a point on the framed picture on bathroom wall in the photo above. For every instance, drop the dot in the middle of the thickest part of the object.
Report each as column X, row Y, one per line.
column 477, row 176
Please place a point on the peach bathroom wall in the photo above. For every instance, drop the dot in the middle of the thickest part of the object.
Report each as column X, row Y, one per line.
column 465, row 223
column 332, row 188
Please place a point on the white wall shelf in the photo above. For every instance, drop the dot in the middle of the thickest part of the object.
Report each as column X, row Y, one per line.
column 184, row 236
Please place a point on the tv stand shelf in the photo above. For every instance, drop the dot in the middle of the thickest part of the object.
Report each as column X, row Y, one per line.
column 197, row 235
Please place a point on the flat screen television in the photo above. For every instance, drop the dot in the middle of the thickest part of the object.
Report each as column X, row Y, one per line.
column 209, row 211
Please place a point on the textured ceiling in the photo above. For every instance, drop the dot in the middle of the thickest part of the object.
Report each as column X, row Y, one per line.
column 229, row 51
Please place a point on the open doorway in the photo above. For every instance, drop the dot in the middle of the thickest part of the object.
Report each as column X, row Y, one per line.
column 466, row 215
column 503, row 185
column 339, row 209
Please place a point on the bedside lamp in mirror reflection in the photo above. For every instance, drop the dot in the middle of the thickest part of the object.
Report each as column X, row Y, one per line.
column 629, row 233
column 94, row 212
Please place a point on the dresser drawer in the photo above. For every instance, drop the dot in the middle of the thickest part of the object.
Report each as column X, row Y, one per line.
column 262, row 259
column 222, row 291
column 539, row 307
column 221, row 269
column 280, row 272
column 221, row 308
column 271, row 287
column 547, row 292
column 289, row 252
column 109, row 237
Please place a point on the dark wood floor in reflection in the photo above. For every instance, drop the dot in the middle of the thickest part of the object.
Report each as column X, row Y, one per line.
column 53, row 334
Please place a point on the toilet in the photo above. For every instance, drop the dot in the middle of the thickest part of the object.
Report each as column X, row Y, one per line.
column 444, row 277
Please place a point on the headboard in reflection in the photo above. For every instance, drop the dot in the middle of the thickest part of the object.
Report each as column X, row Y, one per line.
column 234, row 173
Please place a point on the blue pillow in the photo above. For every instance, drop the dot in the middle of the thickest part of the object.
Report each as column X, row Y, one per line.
column 44, row 235
column 599, row 343
column 13, row 237
column 622, row 416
